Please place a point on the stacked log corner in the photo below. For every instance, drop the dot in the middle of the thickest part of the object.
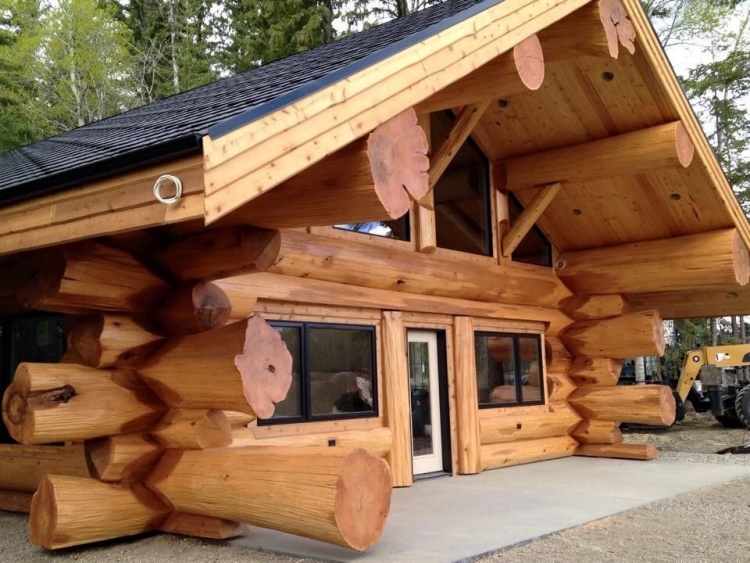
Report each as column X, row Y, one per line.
column 153, row 376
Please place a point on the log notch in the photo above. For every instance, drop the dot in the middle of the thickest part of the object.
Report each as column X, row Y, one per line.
column 86, row 276
column 585, row 307
column 111, row 339
column 197, row 526
column 384, row 174
column 249, row 364
column 513, row 72
column 346, row 504
column 642, row 452
column 526, row 451
column 598, row 432
column 68, row 511
column 397, row 397
column 597, row 372
column 633, row 335
column 597, row 30
column 467, row 398
column 222, row 253
column 508, row 426
column 22, row 467
column 639, row 404
column 637, row 152
column 706, row 261
column 559, row 386
column 48, row 403
column 193, row 308
column 126, row 458
column 193, row 429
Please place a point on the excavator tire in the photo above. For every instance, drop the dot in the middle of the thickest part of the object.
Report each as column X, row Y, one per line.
column 742, row 406
column 729, row 419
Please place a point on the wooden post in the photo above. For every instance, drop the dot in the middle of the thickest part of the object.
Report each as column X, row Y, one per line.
column 425, row 207
column 467, row 399
column 58, row 402
column 193, row 308
column 639, row 404
column 397, row 397
column 636, row 334
column 345, row 504
column 68, row 511
column 244, row 367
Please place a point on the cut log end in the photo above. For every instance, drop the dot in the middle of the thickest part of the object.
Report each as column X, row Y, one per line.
column 741, row 259
column 362, row 499
column 398, row 159
column 17, row 416
column 685, row 147
column 617, row 26
column 265, row 366
column 44, row 509
column 529, row 60
column 195, row 308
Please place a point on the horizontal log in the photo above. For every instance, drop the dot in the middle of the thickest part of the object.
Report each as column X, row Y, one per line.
column 584, row 307
column 598, row 432
column 193, row 429
column 380, row 267
column 641, row 151
column 377, row 441
column 526, row 451
column 15, row 501
column 211, row 255
column 704, row 261
column 601, row 372
column 48, row 403
column 243, row 292
column 514, row 72
column 639, row 404
column 498, row 427
column 193, row 308
column 112, row 339
column 249, row 365
column 127, row 458
column 206, row 527
column 329, row 494
column 642, row 452
column 559, row 386
column 87, row 276
column 22, row 467
column 68, row 511
column 628, row 336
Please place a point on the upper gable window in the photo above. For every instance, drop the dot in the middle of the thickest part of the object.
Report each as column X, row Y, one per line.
column 534, row 248
column 462, row 195
column 398, row 229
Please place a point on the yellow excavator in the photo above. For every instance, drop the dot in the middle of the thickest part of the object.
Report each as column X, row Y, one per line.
column 710, row 381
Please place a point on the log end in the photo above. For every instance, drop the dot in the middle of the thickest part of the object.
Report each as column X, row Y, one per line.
column 529, row 60
column 85, row 340
column 618, row 28
column 265, row 367
column 398, row 160
column 261, row 247
column 362, row 498
column 17, row 416
column 685, row 147
column 43, row 515
column 741, row 259
column 667, row 405
column 212, row 306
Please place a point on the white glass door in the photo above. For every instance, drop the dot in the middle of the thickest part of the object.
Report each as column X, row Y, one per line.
column 425, row 402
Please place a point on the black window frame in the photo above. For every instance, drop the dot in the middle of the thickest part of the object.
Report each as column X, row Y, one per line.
column 306, row 380
column 516, row 362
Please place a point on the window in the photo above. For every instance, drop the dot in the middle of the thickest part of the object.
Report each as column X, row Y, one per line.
column 333, row 372
column 462, row 195
column 398, row 229
column 27, row 338
column 508, row 369
column 534, row 248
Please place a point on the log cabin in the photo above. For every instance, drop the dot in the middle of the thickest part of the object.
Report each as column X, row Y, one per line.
column 423, row 249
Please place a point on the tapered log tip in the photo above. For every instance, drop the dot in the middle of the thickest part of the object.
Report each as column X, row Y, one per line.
column 362, row 498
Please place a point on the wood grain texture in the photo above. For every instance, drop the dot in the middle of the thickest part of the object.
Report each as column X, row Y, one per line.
column 596, row 372
column 643, row 452
column 639, row 404
column 598, row 432
column 126, row 458
column 22, row 467
column 628, row 336
column 467, row 398
column 526, row 451
column 497, row 427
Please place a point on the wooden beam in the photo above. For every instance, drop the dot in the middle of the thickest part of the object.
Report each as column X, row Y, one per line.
column 513, row 72
column 124, row 458
column 596, row 30
column 633, row 335
column 425, row 208
column 695, row 304
column 704, row 261
column 467, row 398
column 526, row 451
column 658, row 147
column 464, row 124
column 643, row 452
column 378, row 441
column 255, row 158
column 639, row 404
column 529, row 217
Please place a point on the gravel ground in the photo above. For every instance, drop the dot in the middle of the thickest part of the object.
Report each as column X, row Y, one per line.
column 711, row 525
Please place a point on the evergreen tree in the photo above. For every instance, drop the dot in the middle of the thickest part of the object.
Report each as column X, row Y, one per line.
column 359, row 14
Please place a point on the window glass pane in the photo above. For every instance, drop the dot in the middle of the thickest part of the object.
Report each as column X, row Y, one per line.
column 531, row 375
column 341, row 370
column 534, row 248
column 496, row 370
column 292, row 405
column 462, row 214
column 398, row 229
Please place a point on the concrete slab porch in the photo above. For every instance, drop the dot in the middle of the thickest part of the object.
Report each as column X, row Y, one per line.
column 454, row 519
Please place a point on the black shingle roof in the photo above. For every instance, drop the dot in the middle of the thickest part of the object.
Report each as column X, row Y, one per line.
column 174, row 126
